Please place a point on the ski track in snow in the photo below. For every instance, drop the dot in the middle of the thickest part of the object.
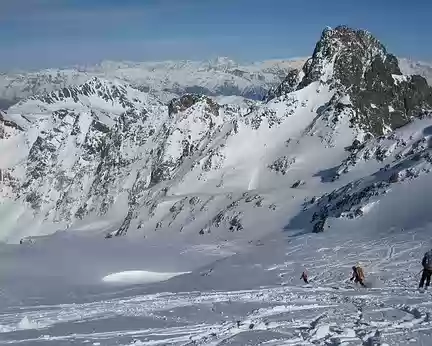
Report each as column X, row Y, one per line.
column 298, row 315
column 329, row 311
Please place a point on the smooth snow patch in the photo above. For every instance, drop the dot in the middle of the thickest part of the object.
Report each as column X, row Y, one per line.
column 386, row 129
column 368, row 207
column 322, row 332
column 25, row 324
column 6, row 329
column 348, row 333
column 345, row 100
column 399, row 78
column 139, row 277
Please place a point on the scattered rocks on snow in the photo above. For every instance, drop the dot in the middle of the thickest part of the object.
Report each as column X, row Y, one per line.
column 26, row 240
column 282, row 164
column 297, row 184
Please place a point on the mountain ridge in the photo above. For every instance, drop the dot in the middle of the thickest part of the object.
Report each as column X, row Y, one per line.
column 171, row 79
column 108, row 154
column 167, row 79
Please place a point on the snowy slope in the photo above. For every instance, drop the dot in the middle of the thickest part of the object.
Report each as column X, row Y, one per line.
column 58, row 141
column 188, row 167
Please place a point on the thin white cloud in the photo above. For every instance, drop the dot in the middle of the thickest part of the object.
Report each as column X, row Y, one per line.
column 62, row 53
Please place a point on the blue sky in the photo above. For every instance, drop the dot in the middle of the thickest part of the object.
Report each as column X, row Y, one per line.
column 53, row 33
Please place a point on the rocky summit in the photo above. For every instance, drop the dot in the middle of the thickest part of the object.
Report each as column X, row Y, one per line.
column 356, row 63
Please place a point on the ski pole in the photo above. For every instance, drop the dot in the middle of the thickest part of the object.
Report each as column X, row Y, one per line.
column 419, row 272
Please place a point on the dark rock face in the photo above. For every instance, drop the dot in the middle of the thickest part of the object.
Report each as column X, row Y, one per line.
column 282, row 164
column 356, row 63
column 288, row 85
column 183, row 103
column 7, row 123
column 350, row 51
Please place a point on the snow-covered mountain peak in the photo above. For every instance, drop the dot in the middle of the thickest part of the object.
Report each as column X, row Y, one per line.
column 95, row 93
column 223, row 63
column 343, row 37
column 340, row 59
column 354, row 62
column 107, row 89
column 340, row 52
column 342, row 56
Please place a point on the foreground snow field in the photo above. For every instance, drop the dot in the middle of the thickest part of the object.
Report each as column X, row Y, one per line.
column 55, row 292
column 252, row 297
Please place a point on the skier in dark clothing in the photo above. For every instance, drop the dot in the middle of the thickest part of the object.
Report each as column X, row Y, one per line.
column 427, row 269
column 304, row 277
column 358, row 275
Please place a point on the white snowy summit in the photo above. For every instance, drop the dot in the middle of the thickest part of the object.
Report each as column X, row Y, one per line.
column 333, row 167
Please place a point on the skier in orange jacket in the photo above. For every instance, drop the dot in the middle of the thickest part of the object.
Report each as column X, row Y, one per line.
column 358, row 275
